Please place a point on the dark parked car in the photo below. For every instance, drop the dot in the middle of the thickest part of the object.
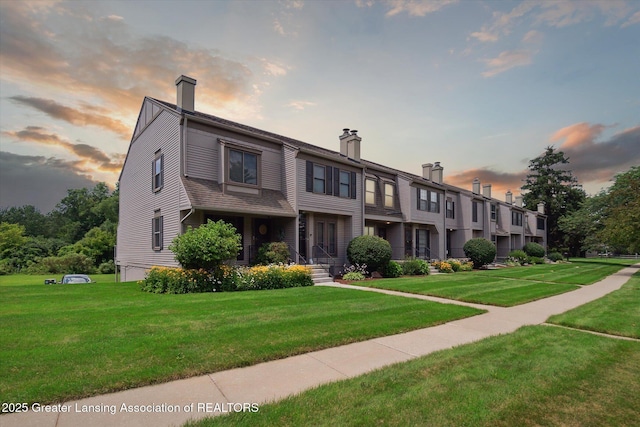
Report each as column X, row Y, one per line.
column 70, row 278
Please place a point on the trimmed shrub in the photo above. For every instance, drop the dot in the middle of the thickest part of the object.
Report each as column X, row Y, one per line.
column 536, row 260
column 555, row 256
column 373, row 251
column 168, row 280
column 480, row 251
column 206, row 246
column 273, row 253
column 519, row 256
column 392, row 270
column 353, row 276
column 534, row 249
column 415, row 267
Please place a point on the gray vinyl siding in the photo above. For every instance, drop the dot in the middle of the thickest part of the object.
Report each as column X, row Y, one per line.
column 147, row 113
column 202, row 152
column 205, row 159
column 404, row 192
column 138, row 201
column 289, row 175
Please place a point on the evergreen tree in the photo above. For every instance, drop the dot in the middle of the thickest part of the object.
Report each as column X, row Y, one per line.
column 550, row 183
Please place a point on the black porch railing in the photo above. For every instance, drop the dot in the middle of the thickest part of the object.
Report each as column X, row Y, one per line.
column 324, row 260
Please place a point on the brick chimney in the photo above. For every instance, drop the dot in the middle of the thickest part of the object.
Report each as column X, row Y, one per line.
column 486, row 191
column 350, row 144
column 186, row 93
column 426, row 170
column 437, row 173
column 509, row 197
column 475, row 186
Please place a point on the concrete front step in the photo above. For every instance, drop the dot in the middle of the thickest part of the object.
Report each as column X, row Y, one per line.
column 320, row 275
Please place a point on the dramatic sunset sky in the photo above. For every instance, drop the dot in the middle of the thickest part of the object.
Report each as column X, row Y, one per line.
column 481, row 86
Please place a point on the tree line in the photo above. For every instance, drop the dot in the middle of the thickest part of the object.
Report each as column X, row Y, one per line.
column 78, row 235
column 608, row 222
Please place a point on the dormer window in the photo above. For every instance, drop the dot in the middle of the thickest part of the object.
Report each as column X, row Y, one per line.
column 389, row 194
column 243, row 167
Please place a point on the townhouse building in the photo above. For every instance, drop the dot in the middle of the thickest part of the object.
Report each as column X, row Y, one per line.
column 184, row 167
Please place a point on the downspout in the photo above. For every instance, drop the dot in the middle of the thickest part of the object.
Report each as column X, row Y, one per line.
column 187, row 215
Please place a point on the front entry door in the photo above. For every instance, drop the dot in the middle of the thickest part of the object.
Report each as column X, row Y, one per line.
column 261, row 232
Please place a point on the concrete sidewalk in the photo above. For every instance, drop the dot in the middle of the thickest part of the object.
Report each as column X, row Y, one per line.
column 245, row 389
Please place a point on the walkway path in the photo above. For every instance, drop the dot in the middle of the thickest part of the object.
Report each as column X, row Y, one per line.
column 175, row 402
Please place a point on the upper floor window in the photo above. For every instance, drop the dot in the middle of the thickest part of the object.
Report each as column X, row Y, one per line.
column 319, row 179
column 156, row 231
column 370, row 192
column 450, row 209
column 434, row 202
column 243, row 167
column 389, row 194
column 540, row 224
column 516, row 218
column 157, row 169
column 423, row 199
column 428, row 200
column 331, row 181
column 494, row 211
column 474, row 211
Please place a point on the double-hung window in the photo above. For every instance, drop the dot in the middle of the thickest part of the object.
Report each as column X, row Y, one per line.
column 157, row 171
column 389, row 194
column 156, row 231
column 494, row 211
column 345, row 184
column 319, row 177
column 423, row 199
column 370, row 192
column 540, row 223
column 516, row 218
column 450, row 209
column 434, row 202
column 243, row 167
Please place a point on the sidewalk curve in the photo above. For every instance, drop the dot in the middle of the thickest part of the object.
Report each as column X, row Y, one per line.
column 246, row 388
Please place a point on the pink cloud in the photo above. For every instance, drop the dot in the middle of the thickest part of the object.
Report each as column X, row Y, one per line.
column 578, row 134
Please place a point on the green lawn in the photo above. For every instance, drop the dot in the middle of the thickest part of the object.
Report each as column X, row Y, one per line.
column 579, row 272
column 474, row 286
column 535, row 376
column 505, row 286
column 69, row 341
column 603, row 315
